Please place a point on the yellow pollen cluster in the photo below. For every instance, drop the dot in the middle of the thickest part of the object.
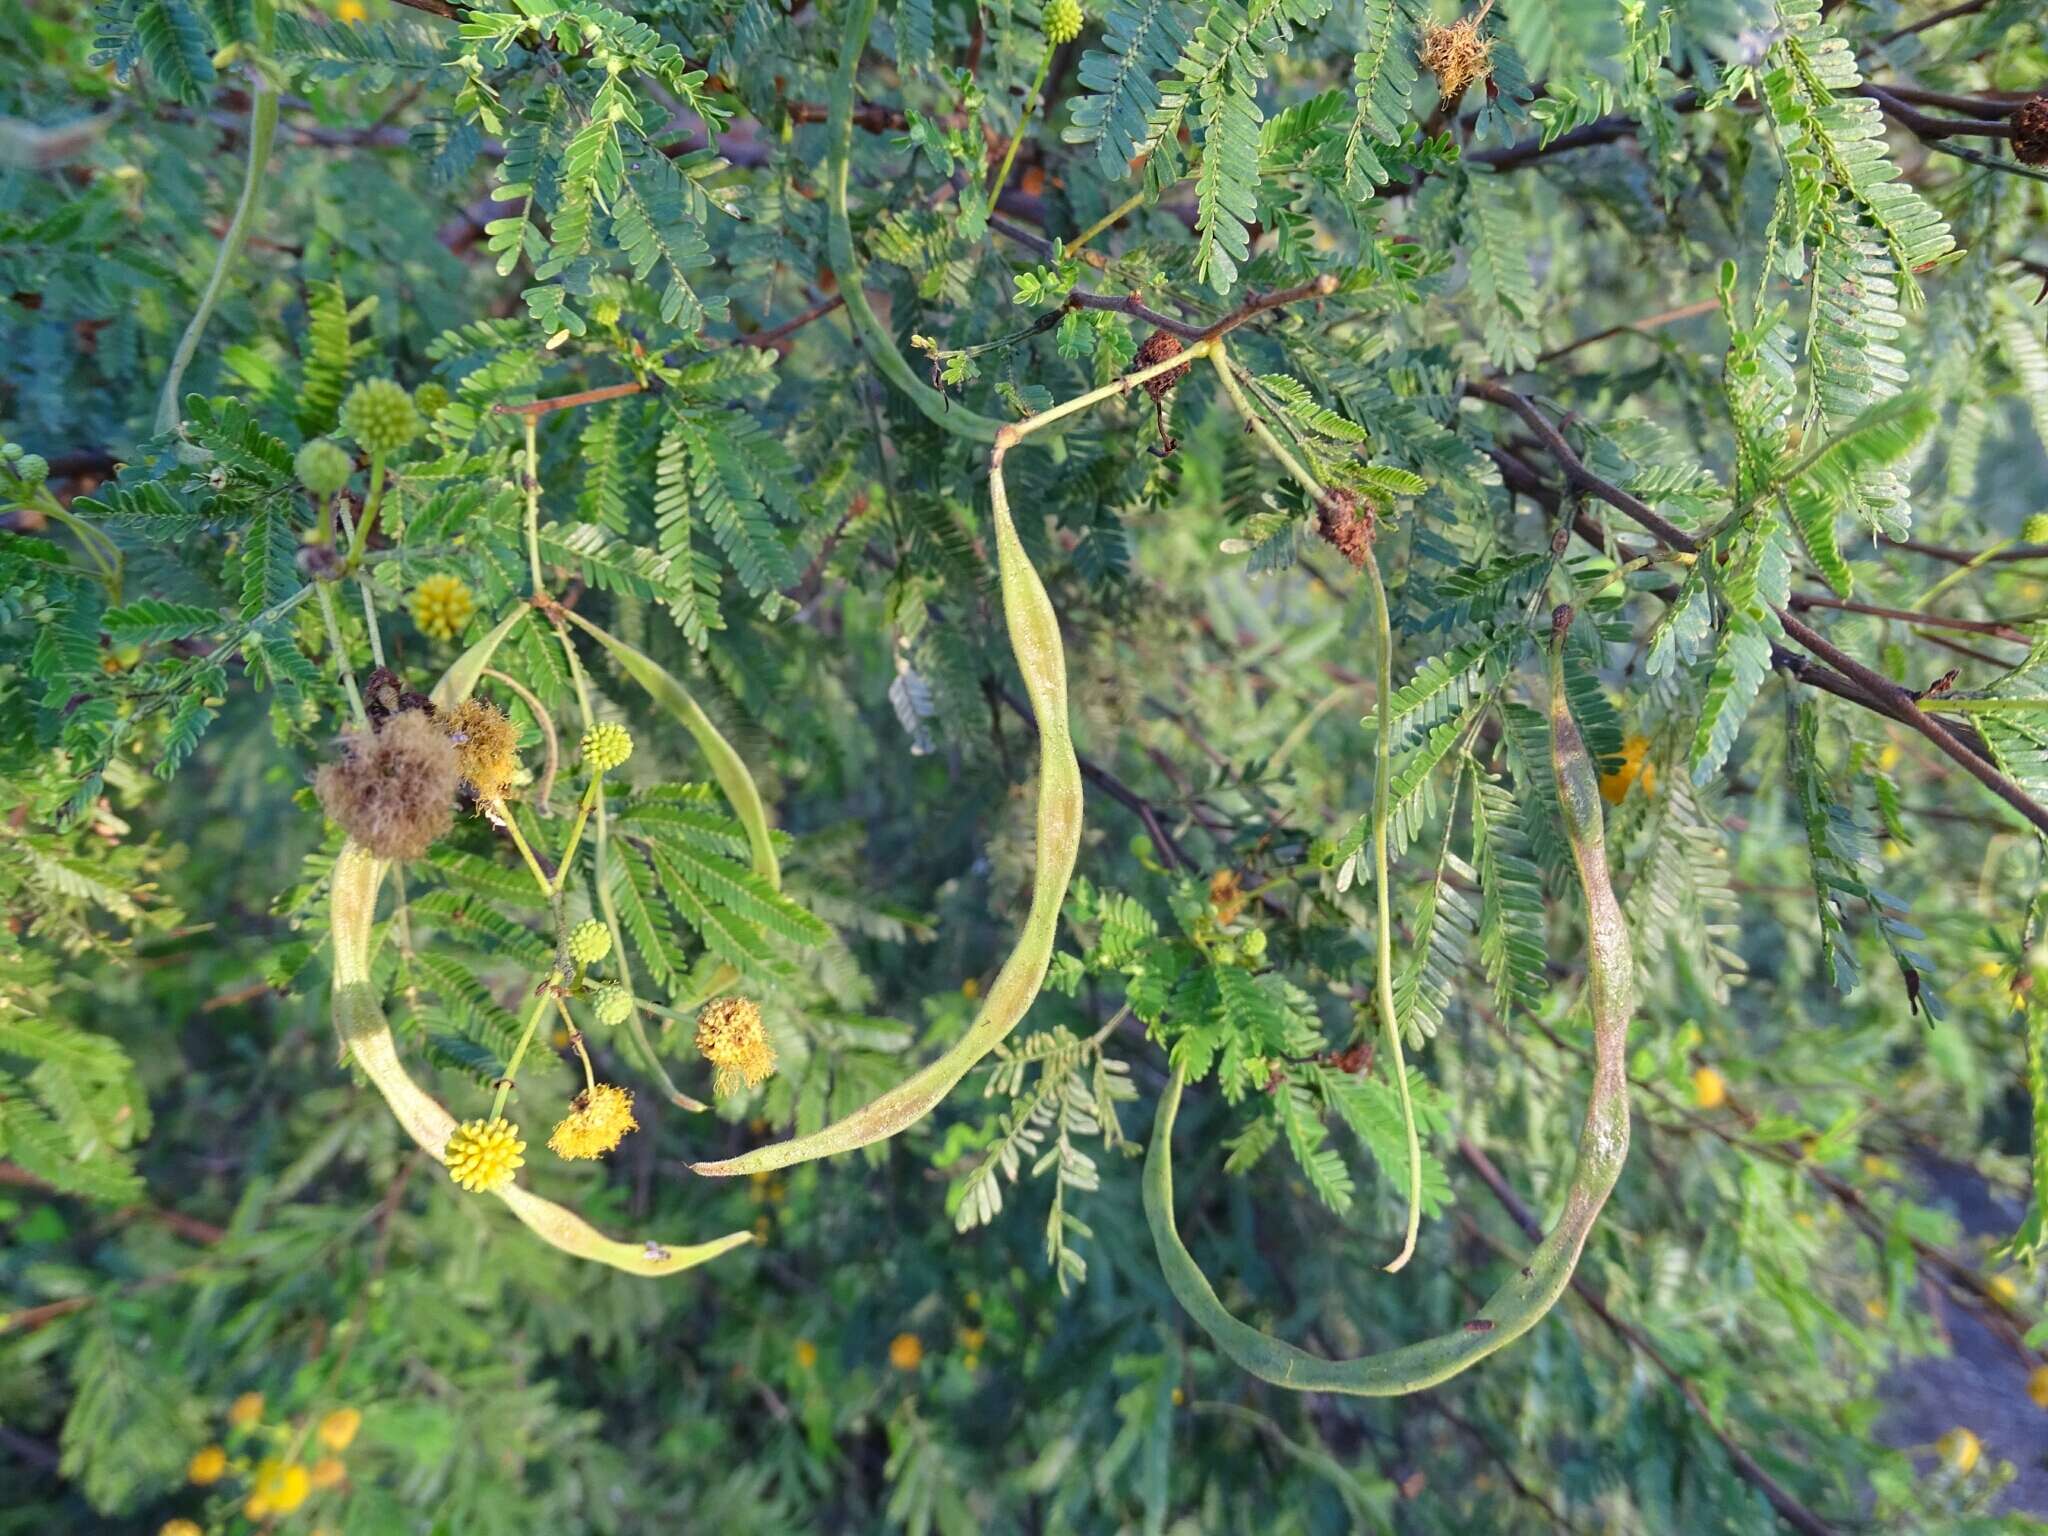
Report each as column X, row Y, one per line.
column 484, row 747
column 441, row 606
column 484, row 1154
column 731, row 1037
column 1614, row 787
column 598, row 1121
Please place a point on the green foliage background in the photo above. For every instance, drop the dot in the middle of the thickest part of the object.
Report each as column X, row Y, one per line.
column 1773, row 309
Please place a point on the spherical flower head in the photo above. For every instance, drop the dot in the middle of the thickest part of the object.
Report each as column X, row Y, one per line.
column 207, row 1466
column 589, row 942
column 806, row 1354
column 328, row 1472
column 606, row 746
column 1709, row 1088
column 731, row 1036
column 338, row 1430
column 612, row 1006
column 246, row 1410
column 599, row 1119
column 379, row 414
column 485, row 747
column 323, row 466
column 33, row 469
column 442, row 606
column 277, row 1488
column 1062, row 21
column 429, row 398
column 179, row 1527
column 482, row 1155
column 2036, row 530
column 393, row 790
column 1961, row 1449
column 906, row 1352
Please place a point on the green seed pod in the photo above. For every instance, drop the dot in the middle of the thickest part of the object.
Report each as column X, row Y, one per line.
column 379, row 414
column 323, row 466
column 1534, row 1288
column 611, row 1006
column 1062, row 21
column 606, row 745
column 589, row 942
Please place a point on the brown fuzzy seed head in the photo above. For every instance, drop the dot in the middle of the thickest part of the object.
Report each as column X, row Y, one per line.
column 2030, row 131
column 1346, row 523
column 1457, row 55
column 484, row 747
column 393, row 790
column 1158, row 347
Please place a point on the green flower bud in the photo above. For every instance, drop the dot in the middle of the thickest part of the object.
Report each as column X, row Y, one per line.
column 1254, row 945
column 2036, row 531
column 430, row 397
column 379, row 414
column 1062, row 21
column 611, row 1006
column 33, row 468
column 589, row 942
column 605, row 312
column 11, row 451
column 605, row 746
column 323, row 466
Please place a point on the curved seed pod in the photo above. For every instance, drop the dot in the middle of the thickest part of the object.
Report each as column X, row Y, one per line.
column 880, row 345
column 1603, row 1146
column 460, row 680
column 727, row 766
column 1035, row 639
column 359, row 1020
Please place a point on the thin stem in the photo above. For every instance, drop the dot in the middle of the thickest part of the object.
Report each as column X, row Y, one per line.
column 1381, row 781
column 348, row 676
column 1115, row 216
column 262, row 129
column 1123, row 386
column 1252, row 419
column 546, row 722
column 503, row 814
column 540, row 1005
column 104, row 553
column 360, row 538
column 536, row 408
column 1030, row 106
column 576, row 833
column 576, row 1043
column 533, row 505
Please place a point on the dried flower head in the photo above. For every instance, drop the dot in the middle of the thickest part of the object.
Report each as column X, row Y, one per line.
column 1226, row 896
column 1457, row 55
column 606, row 745
column 246, row 1411
column 598, row 1120
column 2030, row 131
column 393, row 790
column 1157, row 348
column 329, row 1472
column 731, row 1036
column 1346, row 523
column 442, row 606
column 589, row 942
column 385, row 695
column 484, row 747
column 482, row 1155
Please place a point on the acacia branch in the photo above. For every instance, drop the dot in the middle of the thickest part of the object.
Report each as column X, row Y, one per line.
column 1879, row 692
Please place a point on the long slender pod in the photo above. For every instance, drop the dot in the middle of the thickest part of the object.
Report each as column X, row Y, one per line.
column 880, row 345
column 1533, row 1289
column 262, row 130
column 366, row 1035
column 1035, row 639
